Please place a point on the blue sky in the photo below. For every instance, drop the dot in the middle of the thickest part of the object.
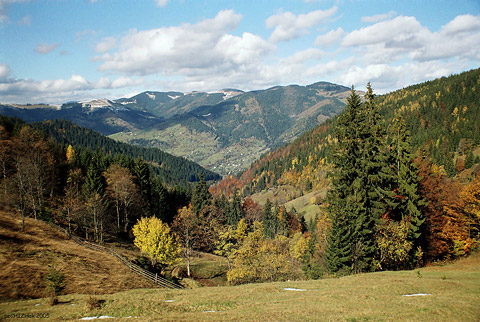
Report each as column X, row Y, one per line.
column 53, row 51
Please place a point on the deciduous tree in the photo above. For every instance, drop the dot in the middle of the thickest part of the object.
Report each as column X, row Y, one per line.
column 155, row 240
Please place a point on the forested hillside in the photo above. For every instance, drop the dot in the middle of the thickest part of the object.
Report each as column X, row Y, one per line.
column 90, row 192
column 171, row 170
column 442, row 117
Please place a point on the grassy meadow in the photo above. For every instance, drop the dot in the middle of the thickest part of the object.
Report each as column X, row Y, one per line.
column 452, row 294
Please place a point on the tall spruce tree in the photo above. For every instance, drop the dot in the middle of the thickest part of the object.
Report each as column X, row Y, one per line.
column 361, row 186
column 201, row 197
column 234, row 213
column 409, row 201
column 270, row 221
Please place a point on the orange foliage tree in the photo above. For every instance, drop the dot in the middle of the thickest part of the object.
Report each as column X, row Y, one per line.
column 447, row 228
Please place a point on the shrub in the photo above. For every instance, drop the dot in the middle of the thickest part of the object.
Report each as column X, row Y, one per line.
column 55, row 281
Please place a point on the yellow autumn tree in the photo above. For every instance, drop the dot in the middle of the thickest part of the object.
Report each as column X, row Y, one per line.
column 70, row 155
column 262, row 260
column 470, row 196
column 155, row 240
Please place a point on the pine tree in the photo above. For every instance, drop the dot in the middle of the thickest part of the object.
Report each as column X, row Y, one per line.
column 201, row 197
column 409, row 201
column 373, row 186
column 361, row 186
column 143, row 175
column 270, row 221
column 234, row 213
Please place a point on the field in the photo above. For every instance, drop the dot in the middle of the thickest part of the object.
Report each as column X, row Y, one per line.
column 438, row 293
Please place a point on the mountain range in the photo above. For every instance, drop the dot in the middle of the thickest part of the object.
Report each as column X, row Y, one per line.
column 224, row 131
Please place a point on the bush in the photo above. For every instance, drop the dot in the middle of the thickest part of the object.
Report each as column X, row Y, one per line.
column 55, row 280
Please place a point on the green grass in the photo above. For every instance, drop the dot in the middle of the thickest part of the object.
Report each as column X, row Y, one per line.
column 454, row 289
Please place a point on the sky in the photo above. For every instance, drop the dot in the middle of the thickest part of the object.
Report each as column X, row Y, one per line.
column 54, row 51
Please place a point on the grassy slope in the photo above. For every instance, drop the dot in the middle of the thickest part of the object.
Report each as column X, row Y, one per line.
column 302, row 204
column 454, row 289
column 24, row 260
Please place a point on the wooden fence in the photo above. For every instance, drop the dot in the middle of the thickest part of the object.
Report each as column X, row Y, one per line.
column 158, row 280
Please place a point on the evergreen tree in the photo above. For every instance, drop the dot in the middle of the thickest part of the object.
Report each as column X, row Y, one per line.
column 201, row 197
column 141, row 171
column 361, row 186
column 409, row 201
column 270, row 221
column 373, row 185
column 94, row 182
column 234, row 213
column 469, row 160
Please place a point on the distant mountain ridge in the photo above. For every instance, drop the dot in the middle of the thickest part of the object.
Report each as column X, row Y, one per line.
column 223, row 131
column 233, row 128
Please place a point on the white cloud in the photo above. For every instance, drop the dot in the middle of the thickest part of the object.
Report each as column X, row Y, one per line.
column 161, row 3
column 405, row 38
column 4, row 5
column 459, row 38
column 205, row 49
column 300, row 57
column 329, row 38
column 289, row 26
column 106, row 44
column 125, row 82
column 380, row 17
column 45, row 48
column 4, row 71
column 56, row 91
column 242, row 50
column 385, row 78
column 31, row 87
column 398, row 30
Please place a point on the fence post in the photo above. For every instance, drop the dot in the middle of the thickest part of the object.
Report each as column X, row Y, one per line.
column 156, row 274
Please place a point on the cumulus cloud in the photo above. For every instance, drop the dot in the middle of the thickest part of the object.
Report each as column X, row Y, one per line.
column 329, row 38
column 398, row 30
column 405, row 37
column 289, row 26
column 380, row 17
column 191, row 50
column 45, row 48
column 385, row 78
column 458, row 38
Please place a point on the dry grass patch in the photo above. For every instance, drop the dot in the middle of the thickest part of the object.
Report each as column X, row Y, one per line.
column 24, row 258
